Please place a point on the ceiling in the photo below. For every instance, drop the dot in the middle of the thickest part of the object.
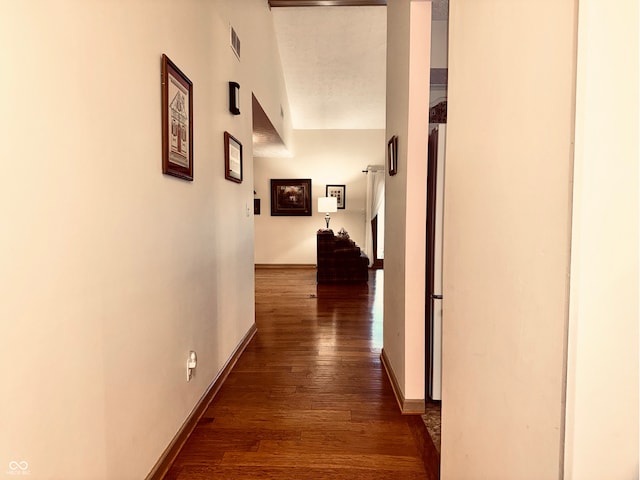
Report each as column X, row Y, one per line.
column 440, row 8
column 325, row 3
column 334, row 60
column 334, row 65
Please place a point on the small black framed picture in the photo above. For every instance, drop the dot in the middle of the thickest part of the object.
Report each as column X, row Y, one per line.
column 392, row 155
column 337, row 191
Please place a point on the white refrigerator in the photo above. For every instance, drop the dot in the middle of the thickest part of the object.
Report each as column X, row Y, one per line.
column 435, row 316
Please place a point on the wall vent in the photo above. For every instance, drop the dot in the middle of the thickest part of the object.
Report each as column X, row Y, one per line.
column 235, row 42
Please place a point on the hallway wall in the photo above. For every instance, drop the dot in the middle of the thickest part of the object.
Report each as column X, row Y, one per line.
column 602, row 366
column 507, row 238
column 408, row 73
column 111, row 271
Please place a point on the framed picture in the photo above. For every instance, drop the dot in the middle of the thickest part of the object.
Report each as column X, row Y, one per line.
column 392, row 155
column 232, row 158
column 177, row 121
column 291, row 197
column 337, row 191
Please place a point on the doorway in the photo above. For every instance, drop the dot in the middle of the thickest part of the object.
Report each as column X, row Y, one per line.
column 377, row 235
column 374, row 221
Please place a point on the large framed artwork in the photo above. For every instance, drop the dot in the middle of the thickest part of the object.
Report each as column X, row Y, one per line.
column 177, row 121
column 232, row 158
column 291, row 197
column 339, row 192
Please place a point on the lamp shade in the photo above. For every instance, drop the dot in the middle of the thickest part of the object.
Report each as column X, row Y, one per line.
column 327, row 204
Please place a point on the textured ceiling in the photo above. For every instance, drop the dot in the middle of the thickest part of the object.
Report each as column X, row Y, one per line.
column 440, row 7
column 324, row 3
column 334, row 63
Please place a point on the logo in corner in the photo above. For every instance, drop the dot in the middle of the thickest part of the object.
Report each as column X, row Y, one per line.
column 18, row 468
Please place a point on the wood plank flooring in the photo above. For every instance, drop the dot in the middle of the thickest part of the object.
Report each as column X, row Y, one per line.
column 308, row 399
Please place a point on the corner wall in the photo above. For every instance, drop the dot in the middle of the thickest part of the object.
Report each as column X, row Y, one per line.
column 408, row 47
column 111, row 271
column 602, row 386
column 507, row 238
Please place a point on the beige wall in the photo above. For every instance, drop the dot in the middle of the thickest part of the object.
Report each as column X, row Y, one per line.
column 111, row 271
column 602, row 387
column 507, row 238
column 327, row 157
column 408, row 47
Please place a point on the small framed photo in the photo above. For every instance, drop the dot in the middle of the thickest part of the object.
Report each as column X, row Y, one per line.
column 232, row 158
column 177, row 121
column 291, row 197
column 337, row 191
column 392, row 155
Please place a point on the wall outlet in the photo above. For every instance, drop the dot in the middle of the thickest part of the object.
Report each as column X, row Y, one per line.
column 192, row 362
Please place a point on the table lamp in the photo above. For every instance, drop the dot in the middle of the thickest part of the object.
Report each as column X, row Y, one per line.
column 326, row 205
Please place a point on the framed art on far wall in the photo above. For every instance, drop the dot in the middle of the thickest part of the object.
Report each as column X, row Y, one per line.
column 291, row 197
column 177, row 121
column 337, row 191
column 392, row 155
column 232, row 158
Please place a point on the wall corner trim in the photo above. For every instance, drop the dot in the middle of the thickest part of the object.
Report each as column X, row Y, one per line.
column 167, row 458
column 407, row 406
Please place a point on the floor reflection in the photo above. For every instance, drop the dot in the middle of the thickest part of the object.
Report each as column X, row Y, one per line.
column 343, row 305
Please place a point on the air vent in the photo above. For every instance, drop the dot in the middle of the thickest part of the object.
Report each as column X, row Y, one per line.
column 235, row 42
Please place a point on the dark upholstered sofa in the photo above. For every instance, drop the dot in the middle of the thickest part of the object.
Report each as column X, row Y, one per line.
column 340, row 259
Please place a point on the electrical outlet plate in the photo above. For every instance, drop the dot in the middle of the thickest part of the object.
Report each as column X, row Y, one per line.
column 192, row 362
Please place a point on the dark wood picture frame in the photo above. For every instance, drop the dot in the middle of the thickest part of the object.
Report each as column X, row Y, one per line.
column 232, row 158
column 177, row 121
column 291, row 197
column 392, row 155
column 338, row 191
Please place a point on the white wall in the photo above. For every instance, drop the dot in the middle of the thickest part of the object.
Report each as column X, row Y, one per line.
column 408, row 46
column 111, row 271
column 327, row 157
column 260, row 53
column 439, row 43
column 507, row 238
column 602, row 385
column 439, row 54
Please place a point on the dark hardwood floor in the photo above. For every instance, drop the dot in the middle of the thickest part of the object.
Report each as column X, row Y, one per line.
column 309, row 399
